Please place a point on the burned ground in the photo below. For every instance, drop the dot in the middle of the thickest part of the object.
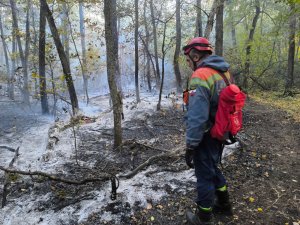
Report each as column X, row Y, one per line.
column 263, row 176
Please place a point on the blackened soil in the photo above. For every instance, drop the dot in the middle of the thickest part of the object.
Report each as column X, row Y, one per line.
column 263, row 176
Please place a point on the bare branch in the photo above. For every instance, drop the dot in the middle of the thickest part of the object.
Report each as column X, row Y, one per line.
column 101, row 177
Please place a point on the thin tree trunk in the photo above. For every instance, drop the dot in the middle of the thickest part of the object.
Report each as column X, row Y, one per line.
column 219, row 29
column 35, row 52
column 199, row 29
column 289, row 81
column 23, row 59
column 155, row 44
column 177, row 48
column 249, row 43
column 13, row 66
column 42, row 63
column 148, row 52
column 62, row 55
column 118, row 74
column 82, row 35
column 163, row 68
column 27, row 40
column 53, row 88
column 136, row 46
column 66, row 32
column 147, row 44
column 210, row 19
column 233, row 35
column 6, row 56
column 112, row 65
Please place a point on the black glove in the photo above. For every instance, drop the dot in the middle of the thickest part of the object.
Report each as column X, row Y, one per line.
column 189, row 157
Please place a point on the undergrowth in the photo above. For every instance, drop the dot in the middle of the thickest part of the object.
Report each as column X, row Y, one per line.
column 276, row 99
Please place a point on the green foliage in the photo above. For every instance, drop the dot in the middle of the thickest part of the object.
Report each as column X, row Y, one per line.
column 269, row 49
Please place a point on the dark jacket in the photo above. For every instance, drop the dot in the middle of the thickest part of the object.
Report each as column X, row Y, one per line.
column 204, row 88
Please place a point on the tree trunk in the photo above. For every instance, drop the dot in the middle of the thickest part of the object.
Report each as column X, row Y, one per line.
column 289, row 81
column 42, row 63
column 162, row 67
column 155, row 44
column 219, row 29
column 6, row 57
column 199, row 29
column 35, row 52
column 27, row 40
column 13, row 65
column 66, row 31
column 136, row 46
column 62, row 55
column 177, row 48
column 147, row 46
column 23, row 59
column 210, row 19
column 112, row 65
column 233, row 35
column 84, row 66
column 148, row 52
column 249, row 43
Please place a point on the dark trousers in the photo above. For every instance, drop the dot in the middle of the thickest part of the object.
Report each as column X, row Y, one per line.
column 209, row 177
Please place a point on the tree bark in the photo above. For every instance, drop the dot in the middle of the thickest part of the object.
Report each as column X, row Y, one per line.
column 62, row 55
column 6, row 57
column 163, row 67
column 136, row 47
column 210, row 19
column 13, row 65
column 289, row 81
column 249, row 43
column 177, row 48
column 27, row 39
column 147, row 46
column 35, row 51
column 23, row 59
column 112, row 65
column 84, row 66
column 219, row 29
column 66, row 33
column 42, row 63
column 199, row 29
column 155, row 44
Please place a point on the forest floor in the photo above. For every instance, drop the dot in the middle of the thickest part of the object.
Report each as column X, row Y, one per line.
column 263, row 176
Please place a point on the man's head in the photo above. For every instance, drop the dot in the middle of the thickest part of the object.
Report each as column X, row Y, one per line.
column 195, row 50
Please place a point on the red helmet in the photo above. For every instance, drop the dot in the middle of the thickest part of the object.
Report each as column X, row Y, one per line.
column 199, row 43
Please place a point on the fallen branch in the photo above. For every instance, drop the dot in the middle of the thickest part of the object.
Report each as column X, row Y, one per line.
column 102, row 177
column 177, row 152
column 6, row 179
column 8, row 148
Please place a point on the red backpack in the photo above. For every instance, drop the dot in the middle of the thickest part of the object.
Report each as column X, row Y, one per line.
column 228, row 120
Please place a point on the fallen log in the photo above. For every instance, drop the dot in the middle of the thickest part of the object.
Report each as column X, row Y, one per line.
column 171, row 154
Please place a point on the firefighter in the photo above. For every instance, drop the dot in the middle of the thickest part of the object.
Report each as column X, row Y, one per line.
column 202, row 151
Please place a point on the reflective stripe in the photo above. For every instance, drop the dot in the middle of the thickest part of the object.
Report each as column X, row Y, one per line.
column 224, row 188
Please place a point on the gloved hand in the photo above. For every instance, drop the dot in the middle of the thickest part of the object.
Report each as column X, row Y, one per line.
column 189, row 156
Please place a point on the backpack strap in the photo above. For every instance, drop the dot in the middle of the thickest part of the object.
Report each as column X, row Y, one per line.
column 224, row 77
